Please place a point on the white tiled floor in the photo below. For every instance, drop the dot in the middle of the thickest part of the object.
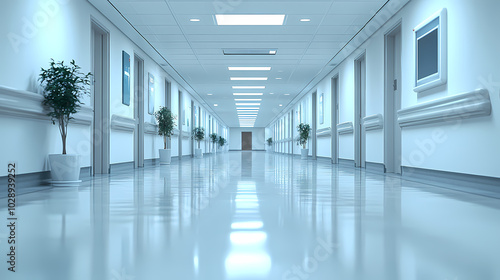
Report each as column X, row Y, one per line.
column 253, row 216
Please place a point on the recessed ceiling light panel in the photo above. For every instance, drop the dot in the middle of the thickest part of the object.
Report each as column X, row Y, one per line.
column 250, row 19
column 247, row 104
column 249, row 51
column 249, row 68
column 248, row 94
column 249, row 87
column 248, row 78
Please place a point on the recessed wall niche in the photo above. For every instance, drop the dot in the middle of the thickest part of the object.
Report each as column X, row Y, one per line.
column 430, row 41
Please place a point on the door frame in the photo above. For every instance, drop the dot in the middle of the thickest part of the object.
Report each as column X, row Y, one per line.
column 392, row 102
column 360, row 110
column 251, row 140
column 334, row 118
column 138, row 111
column 193, row 145
column 101, row 124
column 314, row 139
column 168, row 104
column 181, row 119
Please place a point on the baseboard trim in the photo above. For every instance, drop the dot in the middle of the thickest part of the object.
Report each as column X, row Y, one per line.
column 85, row 173
column 324, row 159
column 233, row 150
column 151, row 162
column 28, row 180
column 121, row 167
column 346, row 162
column 475, row 184
column 375, row 167
column 36, row 181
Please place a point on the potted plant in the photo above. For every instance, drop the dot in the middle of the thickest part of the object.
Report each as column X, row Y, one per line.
column 198, row 135
column 270, row 144
column 63, row 86
column 222, row 141
column 214, row 139
column 166, row 127
column 304, row 129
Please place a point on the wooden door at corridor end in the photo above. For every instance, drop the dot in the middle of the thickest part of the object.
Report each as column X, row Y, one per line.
column 246, row 141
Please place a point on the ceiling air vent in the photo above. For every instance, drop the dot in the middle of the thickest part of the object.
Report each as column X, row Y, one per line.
column 250, row 51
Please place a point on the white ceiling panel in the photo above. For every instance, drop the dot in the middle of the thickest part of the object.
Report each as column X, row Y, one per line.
column 151, row 19
column 248, row 38
column 165, row 29
column 150, row 8
column 176, row 51
column 194, row 48
column 355, row 7
column 249, row 7
column 248, row 30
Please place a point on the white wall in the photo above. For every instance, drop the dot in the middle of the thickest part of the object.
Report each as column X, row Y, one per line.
column 258, row 137
column 470, row 146
column 63, row 32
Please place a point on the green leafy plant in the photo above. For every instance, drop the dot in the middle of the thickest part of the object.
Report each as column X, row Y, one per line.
column 63, row 86
column 198, row 135
column 222, row 141
column 269, row 141
column 214, row 138
column 166, row 124
column 304, row 129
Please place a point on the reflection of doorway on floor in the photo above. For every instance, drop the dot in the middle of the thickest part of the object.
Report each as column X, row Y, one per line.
column 246, row 141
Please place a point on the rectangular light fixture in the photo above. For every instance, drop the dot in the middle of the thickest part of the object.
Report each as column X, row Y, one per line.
column 243, row 94
column 247, row 99
column 249, row 51
column 247, row 104
column 249, row 87
column 248, row 78
column 250, row 19
column 247, row 108
column 248, row 113
column 249, row 68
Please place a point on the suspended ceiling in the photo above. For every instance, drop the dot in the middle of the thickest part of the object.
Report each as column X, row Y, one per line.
column 183, row 37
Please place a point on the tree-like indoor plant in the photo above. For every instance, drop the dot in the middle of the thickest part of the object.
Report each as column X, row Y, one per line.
column 214, row 139
column 166, row 127
column 198, row 136
column 222, row 141
column 304, row 130
column 63, row 87
column 270, row 144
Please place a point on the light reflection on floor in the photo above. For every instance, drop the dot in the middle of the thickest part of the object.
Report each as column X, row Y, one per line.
column 244, row 215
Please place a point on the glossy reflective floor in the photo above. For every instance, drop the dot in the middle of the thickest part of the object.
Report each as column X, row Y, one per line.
column 244, row 215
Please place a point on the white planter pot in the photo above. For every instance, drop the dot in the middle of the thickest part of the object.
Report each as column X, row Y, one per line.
column 198, row 153
column 304, row 153
column 165, row 156
column 65, row 169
